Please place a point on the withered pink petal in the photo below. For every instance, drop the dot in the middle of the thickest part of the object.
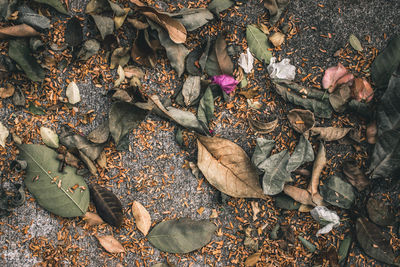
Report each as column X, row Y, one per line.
column 332, row 75
column 348, row 78
column 362, row 90
column 226, row 82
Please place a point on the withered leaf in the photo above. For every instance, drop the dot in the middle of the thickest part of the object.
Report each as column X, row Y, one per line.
column 92, row 219
column 217, row 6
column 301, row 120
column 193, row 18
column 120, row 57
column 227, row 167
column 191, row 89
column 56, row 4
column 205, row 111
column 140, row 25
column 100, row 134
column 262, row 151
column 337, row 192
column 252, row 259
column 107, row 205
column 224, row 61
column 262, row 127
column 344, row 248
column 7, row 91
column 330, row 133
column 380, row 212
column 340, row 97
column 298, row 194
column 286, row 202
column 110, row 244
column 105, row 25
column 319, row 164
column 275, row 173
column 302, row 153
column 73, row 32
column 142, row 51
column 21, row 30
column 142, row 217
column 355, row 43
column 354, row 175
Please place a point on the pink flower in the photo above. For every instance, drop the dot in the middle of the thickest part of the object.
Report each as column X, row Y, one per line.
column 226, row 82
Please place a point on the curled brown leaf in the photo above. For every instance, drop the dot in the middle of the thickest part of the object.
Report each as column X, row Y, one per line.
column 224, row 61
column 21, row 30
column 92, row 219
column 298, row 194
column 330, row 133
column 362, row 90
column 319, row 164
column 142, row 217
column 7, row 91
column 354, row 175
column 262, row 127
column 301, row 120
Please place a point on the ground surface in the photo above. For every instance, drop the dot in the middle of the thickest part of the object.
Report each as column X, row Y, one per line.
column 154, row 171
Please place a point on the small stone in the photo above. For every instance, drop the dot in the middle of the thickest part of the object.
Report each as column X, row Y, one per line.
column 73, row 94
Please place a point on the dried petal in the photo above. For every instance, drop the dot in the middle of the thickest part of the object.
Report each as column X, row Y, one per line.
column 332, row 76
column 362, row 90
column 226, row 82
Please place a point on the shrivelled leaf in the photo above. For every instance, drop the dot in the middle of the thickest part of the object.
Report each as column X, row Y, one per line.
column 252, row 259
column 73, row 32
column 340, row 97
column 120, row 19
column 386, row 63
column 121, row 77
column 373, row 242
column 286, row 202
column 217, row 6
column 224, row 61
column 191, row 89
column 142, row 217
column 120, row 57
column 110, row 244
column 3, row 135
column 355, row 176
column 100, row 134
column 301, row 120
column 56, row 4
column 52, row 189
column 123, row 118
column 275, row 8
column 298, row 194
column 311, row 247
column 143, row 51
column 337, row 192
column 330, row 133
column 107, row 205
column 262, row 127
column 19, row 51
column 380, row 212
column 30, row 17
column 49, row 137
column 21, row 30
column 302, row 153
column 355, row 43
column 262, row 151
column 258, row 44
column 73, row 93
column 92, row 219
column 227, row 167
column 361, row 90
column 344, row 248
column 182, row 235
column 275, row 173
column 193, row 18
column 205, row 111
column 7, row 91
column 140, row 25
column 319, row 164
column 105, row 25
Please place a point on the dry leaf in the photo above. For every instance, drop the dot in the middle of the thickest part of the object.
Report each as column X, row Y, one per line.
column 92, row 219
column 131, row 71
column 262, row 127
column 224, row 61
column 372, row 132
column 252, row 259
column 298, row 194
column 355, row 176
column 7, row 91
column 301, row 120
column 110, row 244
column 21, row 30
column 319, row 164
column 305, row 208
column 142, row 217
column 330, row 133
column 227, row 167
column 362, row 90
column 255, row 208
column 277, row 38
column 138, row 24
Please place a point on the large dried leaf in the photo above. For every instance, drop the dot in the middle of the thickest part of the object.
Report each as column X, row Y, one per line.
column 51, row 188
column 380, row 212
column 191, row 89
column 258, row 44
column 302, row 153
column 182, row 235
column 30, row 17
column 142, row 217
column 337, row 192
column 212, row 66
column 227, row 167
column 301, row 120
column 373, row 242
column 355, row 176
column 21, row 30
column 205, row 111
column 110, row 244
column 262, row 127
column 217, row 6
column 56, row 4
column 193, row 18
column 275, row 173
column 107, row 205
column 224, row 61
column 19, row 51
column 330, row 133
column 386, row 63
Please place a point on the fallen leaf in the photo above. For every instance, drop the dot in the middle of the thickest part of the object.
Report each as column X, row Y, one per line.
column 21, row 30
column 258, row 44
column 337, row 192
column 355, row 43
column 355, row 176
column 120, row 57
column 246, row 61
column 262, row 151
column 31, row 18
column 192, row 18
column 326, row 217
column 110, row 244
column 319, row 164
column 108, row 206
column 224, row 61
column 182, row 235
column 217, row 6
column 3, row 135
column 331, row 77
column 131, row 71
column 372, row 132
column 275, row 173
column 90, row 48
column 301, row 120
column 205, row 111
column 298, row 194
column 142, row 51
column 252, row 259
column 100, row 134
column 302, row 153
column 277, row 39
column 92, row 219
column 286, row 202
column 330, row 133
column 344, row 248
column 119, row 20
column 49, row 137
column 222, row 163
column 142, row 217
column 311, row 247
column 56, row 4
column 18, row 98
column 140, row 25
column 32, row 108
column 262, row 127
column 105, row 25
column 121, row 77
column 73, row 32
column 255, row 209
column 8, row 91
column 340, row 97
column 191, row 89
column 211, row 63
column 72, row 93
column 361, row 90
column 275, row 8
column 380, row 212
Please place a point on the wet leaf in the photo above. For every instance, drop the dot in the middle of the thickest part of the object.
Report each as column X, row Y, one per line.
column 107, row 205
column 355, row 176
column 142, row 217
column 301, row 120
column 73, row 32
column 262, row 127
column 330, row 133
column 105, row 25
column 344, row 248
column 123, row 118
column 224, row 61
column 386, row 63
column 19, row 51
column 205, row 111
column 380, row 212
column 325, row 217
column 7, row 91
column 72, row 93
column 258, row 44
column 252, row 259
column 311, row 247
column 262, row 151
column 337, row 192
column 298, row 194
column 373, row 242
column 92, row 219
column 32, row 108
column 191, row 89
column 223, row 163
column 56, row 4
column 302, row 153
column 21, row 30
column 182, row 235
column 110, row 244
column 275, row 173
column 3, row 135
column 120, row 57
column 340, row 97
column 355, row 43
column 100, row 134
column 193, row 18
column 217, row 6
column 49, row 137
column 50, row 187
column 286, row 202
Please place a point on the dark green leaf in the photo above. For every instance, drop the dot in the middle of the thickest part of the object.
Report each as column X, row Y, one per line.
column 258, row 44
column 212, row 66
column 286, row 202
column 217, row 6
column 107, row 205
column 373, row 242
column 312, row 248
column 52, row 189
column 205, row 111
column 56, row 4
column 182, row 235
column 193, row 18
column 302, row 153
column 344, row 248
column 19, row 51
column 275, row 173
column 32, row 108
column 262, row 151
column 380, row 212
column 337, row 192
column 73, row 32
column 386, row 63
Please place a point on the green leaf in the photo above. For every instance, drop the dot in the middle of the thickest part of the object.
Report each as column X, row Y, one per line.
column 286, row 202
column 275, row 175
column 355, row 43
column 258, row 44
column 302, row 153
column 262, row 151
column 32, row 108
column 344, row 248
column 373, row 242
column 380, row 212
column 311, row 247
column 56, row 4
column 123, row 118
column 212, row 66
column 217, row 6
column 193, row 18
column 337, row 192
column 386, row 63
column 52, row 189
column 205, row 111
column 19, row 51
column 182, row 235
